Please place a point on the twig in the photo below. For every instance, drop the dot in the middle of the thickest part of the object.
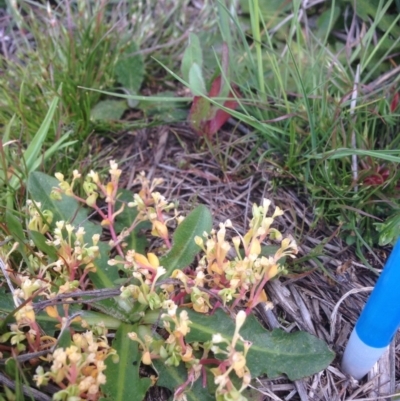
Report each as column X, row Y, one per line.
column 96, row 295
column 26, row 357
column 354, row 161
column 337, row 306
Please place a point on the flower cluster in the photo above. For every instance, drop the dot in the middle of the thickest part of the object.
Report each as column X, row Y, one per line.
column 230, row 272
column 151, row 206
column 26, row 329
column 79, row 368
column 243, row 277
column 75, row 257
column 235, row 361
column 39, row 220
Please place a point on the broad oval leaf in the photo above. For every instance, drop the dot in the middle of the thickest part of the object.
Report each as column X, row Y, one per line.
column 272, row 353
column 184, row 248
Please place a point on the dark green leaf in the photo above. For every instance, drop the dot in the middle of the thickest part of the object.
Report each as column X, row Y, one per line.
column 326, row 20
column 40, row 242
column 272, row 353
column 14, row 226
column 64, row 340
column 184, row 248
column 123, row 379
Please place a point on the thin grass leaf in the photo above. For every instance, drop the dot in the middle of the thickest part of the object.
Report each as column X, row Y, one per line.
column 387, row 155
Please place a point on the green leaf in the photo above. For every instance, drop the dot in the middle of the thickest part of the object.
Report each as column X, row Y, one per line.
column 171, row 111
column 192, row 55
column 64, row 340
column 31, row 154
column 171, row 377
column 14, row 226
column 123, row 380
column 327, row 19
column 7, row 307
column 196, row 81
column 106, row 276
column 272, row 353
column 108, row 110
column 40, row 242
column 200, row 112
column 184, row 248
column 129, row 69
column 389, row 230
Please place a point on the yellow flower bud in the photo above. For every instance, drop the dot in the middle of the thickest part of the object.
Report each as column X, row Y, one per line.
column 52, row 311
column 140, row 259
column 109, row 188
column 153, row 260
column 255, row 247
column 159, row 229
column 240, row 319
column 91, row 199
column 59, row 176
column 146, row 358
column 272, row 271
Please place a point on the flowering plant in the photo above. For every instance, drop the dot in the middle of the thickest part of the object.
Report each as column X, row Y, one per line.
column 174, row 301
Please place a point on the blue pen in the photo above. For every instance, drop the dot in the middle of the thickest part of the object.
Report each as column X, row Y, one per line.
column 378, row 321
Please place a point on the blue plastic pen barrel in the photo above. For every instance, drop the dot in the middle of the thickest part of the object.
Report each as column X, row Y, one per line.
column 378, row 321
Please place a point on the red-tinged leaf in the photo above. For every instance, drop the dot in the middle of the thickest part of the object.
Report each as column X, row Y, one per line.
column 395, row 102
column 207, row 119
column 221, row 117
column 215, row 87
column 199, row 114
